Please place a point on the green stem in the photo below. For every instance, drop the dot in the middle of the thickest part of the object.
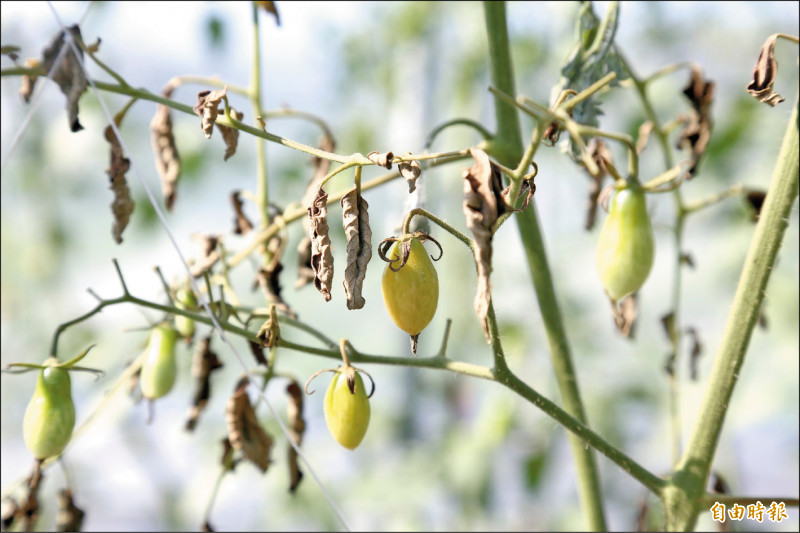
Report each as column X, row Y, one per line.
column 454, row 122
column 262, row 184
column 508, row 132
column 695, row 466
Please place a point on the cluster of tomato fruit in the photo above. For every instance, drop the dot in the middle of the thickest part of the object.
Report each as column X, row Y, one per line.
column 625, row 255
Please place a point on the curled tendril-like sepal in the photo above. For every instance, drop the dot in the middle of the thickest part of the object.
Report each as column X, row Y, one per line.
column 349, row 372
column 405, row 248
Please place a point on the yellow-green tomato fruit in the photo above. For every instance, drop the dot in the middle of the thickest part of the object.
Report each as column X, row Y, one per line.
column 346, row 412
column 186, row 300
column 411, row 294
column 159, row 367
column 626, row 247
column 50, row 415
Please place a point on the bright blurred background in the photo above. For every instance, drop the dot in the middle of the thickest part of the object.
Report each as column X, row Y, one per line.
column 443, row 452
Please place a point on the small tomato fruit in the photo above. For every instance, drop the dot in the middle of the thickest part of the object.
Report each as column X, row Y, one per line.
column 411, row 293
column 346, row 411
column 159, row 368
column 50, row 415
column 626, row 247
column 186, row 300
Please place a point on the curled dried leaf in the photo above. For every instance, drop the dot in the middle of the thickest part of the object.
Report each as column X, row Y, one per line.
column 168, row 162
column 624, row 313
column 405, row 248
column 756, row 200
column 207, row 108
column 305, row 273
column 764, row 74
column 410, row 170
column 226, row 460
column 321, row 254
column 269, row 7
column 270, row 332
column 242, row 225
column 28, row 512
column 268, row 280
column 697, row 351
column 687, row 259
column 258, row 353
column 244, row 432
column 355, row 219
column 697, row 131
column 69, row 74
column 551, row 134
column 69, row 517
column 28, row 81
column 644, row 135
column 601, row 155
column 384, row 160
column 207, row 527
column 204, row 361
column 9, row 511
column 483, row 205
column 122, row 206
column 210, row 253
column 668, row 323
column 297, row 427
column 230, row 135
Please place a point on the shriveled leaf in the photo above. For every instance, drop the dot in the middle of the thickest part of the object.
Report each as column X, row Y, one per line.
column 69, row 517
column 697, row 351
column 297, row 427
column 28, row 81
column 763, row 323
column 227, row 461
column 384, row 160
column 643, row 136
column 207, row 527
column 355, row 219
column 483, row 204
column 68, row 74
column 668, row 323
column 305, row 273
column 230, row 135
column 687, row 259
column 8, row 512
column 669, row 364
column 168, row 162
column 321, row 254
column 764, row 74
column 268, row 280
column 242, row 225
column 697, row 132
column 207, row 108
column 122, row 206
column 204, row 361
column 258, row 353
column 410, row 170
column 28, row 512
column 624, row 313
column 210, row 254
column 244, row 432
column 270, row 333
column 269, row 7
column 602, row 157
column 756, row 200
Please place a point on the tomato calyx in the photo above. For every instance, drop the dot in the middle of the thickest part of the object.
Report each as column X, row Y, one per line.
column 347, row 370
column 52, row 362
column 405, row 248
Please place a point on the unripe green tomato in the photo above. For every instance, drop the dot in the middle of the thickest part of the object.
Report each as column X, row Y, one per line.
column 411, row 294
column 159, row 367
column 50, row 416
column 185, row 299
column 626, row 247
column 347, row 413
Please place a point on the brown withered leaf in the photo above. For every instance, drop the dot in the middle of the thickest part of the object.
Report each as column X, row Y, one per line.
column 268, row 280
column 28, row 512
column 601, row 155
column 168, row 162
column 644, row 135
column 697, row 351
column 321, row 254
column 697, row 132
column 123, row 205
column 227, row 461
column 230, row 135
column 483, row 204
column 756, row 200
column 668, row 323
column 384, row 160
column 8, row 512
column 258, row 353
column 410, row 170
column 669, row 364
column 764, row 73
column 69, row 74
column 270, row 332
column 207, row 108
column 551, row 134
column 244, row 431
column 305, row 273
column 242, row 225
column 270, row 7
column 625, row 313
column 69, row 517
column 207, row 527
column 687, row 259
column 210, row 253
column 204, row 361
column 763, row 323
column 355, row 220
column 28, row 81
column 297, row 427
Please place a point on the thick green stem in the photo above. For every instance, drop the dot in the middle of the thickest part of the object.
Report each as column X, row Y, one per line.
column 262, row 185
column 688, row 482
column 509, row 151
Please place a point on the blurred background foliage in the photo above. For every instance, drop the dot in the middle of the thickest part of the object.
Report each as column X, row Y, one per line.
column 443, row 451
